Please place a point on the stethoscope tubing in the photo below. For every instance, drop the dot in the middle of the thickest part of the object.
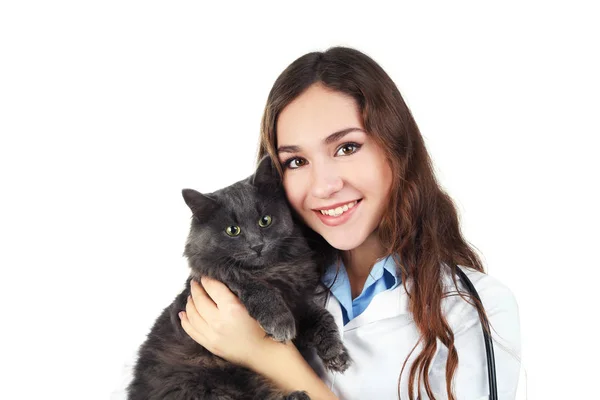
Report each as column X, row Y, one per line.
column 489, row 346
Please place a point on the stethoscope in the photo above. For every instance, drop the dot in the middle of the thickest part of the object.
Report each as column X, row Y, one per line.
column 489, row 347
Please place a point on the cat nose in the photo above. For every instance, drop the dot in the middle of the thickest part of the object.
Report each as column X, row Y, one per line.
column 257, row 248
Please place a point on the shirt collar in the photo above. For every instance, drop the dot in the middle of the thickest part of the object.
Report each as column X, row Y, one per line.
column 381, row 265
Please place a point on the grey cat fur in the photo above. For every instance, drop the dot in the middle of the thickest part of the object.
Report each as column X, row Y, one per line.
column 274, row 273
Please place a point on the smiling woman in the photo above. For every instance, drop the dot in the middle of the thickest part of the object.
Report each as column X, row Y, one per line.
column 356, row 172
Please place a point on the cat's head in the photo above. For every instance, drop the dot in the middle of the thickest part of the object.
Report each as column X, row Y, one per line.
column 247, row 224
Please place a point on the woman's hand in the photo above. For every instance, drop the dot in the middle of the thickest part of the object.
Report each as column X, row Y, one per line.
column 216, row 319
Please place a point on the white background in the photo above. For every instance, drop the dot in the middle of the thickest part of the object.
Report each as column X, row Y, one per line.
column 109, row 108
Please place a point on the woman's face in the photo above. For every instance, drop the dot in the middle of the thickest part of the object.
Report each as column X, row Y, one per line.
column 332, row 166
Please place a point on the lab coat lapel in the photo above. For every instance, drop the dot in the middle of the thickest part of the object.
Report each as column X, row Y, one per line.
column 387, row 304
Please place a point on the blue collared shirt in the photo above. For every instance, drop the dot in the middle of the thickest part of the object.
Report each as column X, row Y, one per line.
column 382, row 277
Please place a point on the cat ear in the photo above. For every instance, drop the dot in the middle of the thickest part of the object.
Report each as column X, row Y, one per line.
column 266, row 175
column 201, row 205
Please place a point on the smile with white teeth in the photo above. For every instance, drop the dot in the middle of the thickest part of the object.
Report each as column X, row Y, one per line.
column 336, row 212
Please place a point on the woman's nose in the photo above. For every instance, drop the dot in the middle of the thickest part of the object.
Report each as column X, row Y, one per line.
column 325, row 182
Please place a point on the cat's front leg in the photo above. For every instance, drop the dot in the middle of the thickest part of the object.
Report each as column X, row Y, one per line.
column 318, row 329
column 266, row 305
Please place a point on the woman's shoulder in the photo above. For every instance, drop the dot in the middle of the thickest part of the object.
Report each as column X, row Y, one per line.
column 495, row 295
column 489, row 284
column 502, row 311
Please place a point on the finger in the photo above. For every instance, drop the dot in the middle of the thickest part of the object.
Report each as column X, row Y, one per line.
column 194, row 317
column 204, row 305
column 189, row 329
column 219, row 292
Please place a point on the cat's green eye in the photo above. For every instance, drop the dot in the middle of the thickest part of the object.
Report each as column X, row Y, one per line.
column 233, row 230
column 265, row 221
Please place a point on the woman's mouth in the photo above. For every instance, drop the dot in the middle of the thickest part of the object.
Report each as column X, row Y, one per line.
column 339, row 214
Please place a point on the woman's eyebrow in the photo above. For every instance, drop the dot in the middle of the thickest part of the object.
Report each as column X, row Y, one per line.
column 288, row 149
column 334, row 137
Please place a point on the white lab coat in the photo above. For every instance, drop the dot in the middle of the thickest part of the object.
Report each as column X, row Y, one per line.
column 380, row 339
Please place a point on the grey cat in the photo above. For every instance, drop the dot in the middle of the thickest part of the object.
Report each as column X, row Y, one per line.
column 245, row 236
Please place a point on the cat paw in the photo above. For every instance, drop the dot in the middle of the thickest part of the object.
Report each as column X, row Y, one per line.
column 281, row 327
column 336, row 358
column 298, row 395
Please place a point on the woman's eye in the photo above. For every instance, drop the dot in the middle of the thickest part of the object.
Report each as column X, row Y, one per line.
column 347, row 149
column 294, row 163
column 265, row 221
column 233, row 230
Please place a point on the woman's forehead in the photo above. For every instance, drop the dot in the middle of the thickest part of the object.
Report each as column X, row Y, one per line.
column 316, row 114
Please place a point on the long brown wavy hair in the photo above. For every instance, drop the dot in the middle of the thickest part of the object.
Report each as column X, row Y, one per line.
column 420, row 228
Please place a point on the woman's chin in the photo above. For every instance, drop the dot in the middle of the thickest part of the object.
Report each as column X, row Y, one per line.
column 342, row 240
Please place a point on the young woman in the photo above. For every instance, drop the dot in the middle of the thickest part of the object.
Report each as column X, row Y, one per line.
column 356, row 171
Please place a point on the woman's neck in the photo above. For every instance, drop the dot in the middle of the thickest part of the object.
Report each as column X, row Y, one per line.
column 360, row 261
